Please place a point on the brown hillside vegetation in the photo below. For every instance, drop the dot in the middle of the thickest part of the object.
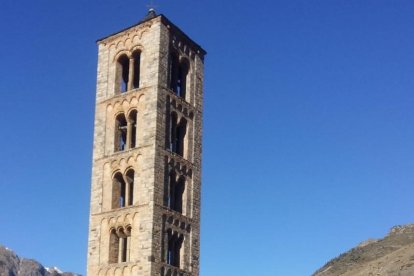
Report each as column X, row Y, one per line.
column 391, row 256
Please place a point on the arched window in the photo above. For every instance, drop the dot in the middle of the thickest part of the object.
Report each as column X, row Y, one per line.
column 123, row 246
column 125, row 131
column 173, row 132
column 176, row 192
column 130, row 184
column 119, row 245
column 173, row 71
column 123, row 189
column 180, row 136
column 178, row 71
column 127, row 248
column 113, row 247
column 170, row 190
column 118, row 191
column 175, row 242
column 122, row 74
column 121, row 132
column 136, row 57
column 179, row 192
column 182, row 78
column 177, row 132
column 132, row 120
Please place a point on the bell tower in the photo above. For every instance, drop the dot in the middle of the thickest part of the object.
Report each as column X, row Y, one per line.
column 146, row 175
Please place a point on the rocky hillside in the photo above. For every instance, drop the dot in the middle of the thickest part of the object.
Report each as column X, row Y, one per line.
column 12, row 265
column 390, row 256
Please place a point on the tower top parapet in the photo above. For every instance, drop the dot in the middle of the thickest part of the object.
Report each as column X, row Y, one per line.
column 152, row 15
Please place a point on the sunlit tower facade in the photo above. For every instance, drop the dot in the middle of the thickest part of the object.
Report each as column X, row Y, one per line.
column 146, row 175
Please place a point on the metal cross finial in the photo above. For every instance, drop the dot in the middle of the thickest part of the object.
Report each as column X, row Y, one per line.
column 151, row 5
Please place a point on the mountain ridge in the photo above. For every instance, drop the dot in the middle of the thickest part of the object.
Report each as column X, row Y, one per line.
column 13, row 265
column 392, row 255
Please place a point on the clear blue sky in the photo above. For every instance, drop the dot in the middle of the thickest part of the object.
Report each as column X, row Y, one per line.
column 308, row 127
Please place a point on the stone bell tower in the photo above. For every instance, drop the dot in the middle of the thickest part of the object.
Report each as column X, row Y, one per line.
column 146, row 177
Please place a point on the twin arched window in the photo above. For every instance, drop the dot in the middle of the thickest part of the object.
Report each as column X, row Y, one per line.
column 125, row 131
column 123, row 189
column 178, row 71
column 176, row 135
column 175, row 192
column 174, row 246
column 128, row 71
column 119, row 245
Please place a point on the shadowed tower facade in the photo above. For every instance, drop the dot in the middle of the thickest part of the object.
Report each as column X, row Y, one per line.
column 146, row 176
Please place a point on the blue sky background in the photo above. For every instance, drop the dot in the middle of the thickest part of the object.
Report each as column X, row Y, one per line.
column 308, row 130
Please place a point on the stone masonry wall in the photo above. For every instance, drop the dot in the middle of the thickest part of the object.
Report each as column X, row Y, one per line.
column 147, row 216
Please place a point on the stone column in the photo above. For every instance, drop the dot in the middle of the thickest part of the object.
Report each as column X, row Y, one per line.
column 131, row 74
column 127, row 187
column 128, row 249
column 128, row 136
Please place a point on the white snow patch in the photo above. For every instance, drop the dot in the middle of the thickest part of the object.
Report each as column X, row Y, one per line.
column 53, row 269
